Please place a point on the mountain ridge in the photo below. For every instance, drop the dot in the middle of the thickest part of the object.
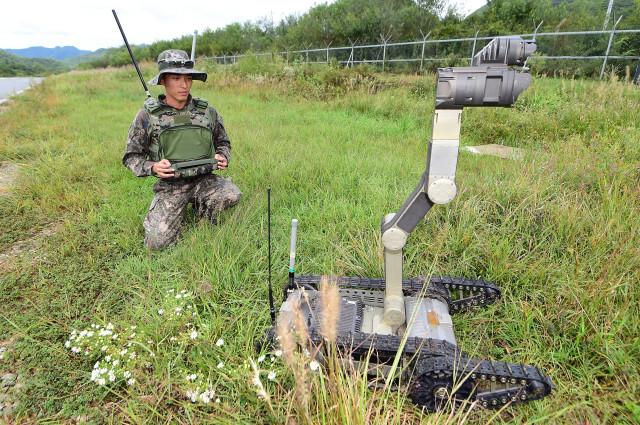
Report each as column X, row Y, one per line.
column 41, row 52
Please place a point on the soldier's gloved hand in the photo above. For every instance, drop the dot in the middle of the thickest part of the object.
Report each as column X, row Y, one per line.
column 163, row 169
column 222, row 161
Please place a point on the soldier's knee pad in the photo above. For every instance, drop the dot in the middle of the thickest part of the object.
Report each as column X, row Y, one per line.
column 234, row 197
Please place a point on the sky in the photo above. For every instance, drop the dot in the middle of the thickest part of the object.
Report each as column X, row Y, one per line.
column 89, row 24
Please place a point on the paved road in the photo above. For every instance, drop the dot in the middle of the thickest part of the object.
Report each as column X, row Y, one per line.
column 13, row 85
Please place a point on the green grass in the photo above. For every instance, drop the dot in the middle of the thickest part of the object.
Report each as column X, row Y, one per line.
column 559, row 232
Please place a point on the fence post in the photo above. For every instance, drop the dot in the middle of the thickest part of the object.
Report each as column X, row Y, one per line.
column 351, row 57
column 384, row 54
column 385, row 40
column 606, row 55
column 328, row 45
column 607, row 15
column 224, row 59
column 424, row 43
column 473, row 49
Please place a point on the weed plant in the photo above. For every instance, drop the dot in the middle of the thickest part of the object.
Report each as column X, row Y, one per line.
column 558, row 231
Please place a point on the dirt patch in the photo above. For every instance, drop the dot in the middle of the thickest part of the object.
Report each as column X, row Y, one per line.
column 8, row 175
column 27, row 246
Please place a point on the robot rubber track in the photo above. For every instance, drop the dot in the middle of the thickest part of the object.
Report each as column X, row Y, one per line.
column 431, row 367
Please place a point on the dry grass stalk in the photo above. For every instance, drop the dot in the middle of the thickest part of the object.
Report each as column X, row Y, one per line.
column 287, row 343
column 300, row 326
column 330, row 299
column 289, row 337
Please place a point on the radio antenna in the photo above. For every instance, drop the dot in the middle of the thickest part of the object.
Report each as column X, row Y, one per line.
column 133, row 58
column 272, row 310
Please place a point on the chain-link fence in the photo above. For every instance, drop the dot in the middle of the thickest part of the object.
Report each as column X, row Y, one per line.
column 557, row 52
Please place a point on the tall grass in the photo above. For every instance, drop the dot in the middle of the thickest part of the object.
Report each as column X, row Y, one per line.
column 558, row 231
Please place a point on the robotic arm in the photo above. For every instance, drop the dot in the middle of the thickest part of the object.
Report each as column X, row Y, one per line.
column 491, row 81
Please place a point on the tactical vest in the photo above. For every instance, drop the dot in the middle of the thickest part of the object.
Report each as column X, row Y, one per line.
column 184, row 137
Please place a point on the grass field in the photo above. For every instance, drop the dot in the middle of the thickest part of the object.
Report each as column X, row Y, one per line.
column 558, row 231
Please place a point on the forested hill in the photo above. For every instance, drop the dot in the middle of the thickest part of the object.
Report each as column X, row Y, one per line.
column 16, row 66
column 58, row 53
column 364, row 21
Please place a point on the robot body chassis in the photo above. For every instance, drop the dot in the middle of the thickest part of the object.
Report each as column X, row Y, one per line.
column 380, row 317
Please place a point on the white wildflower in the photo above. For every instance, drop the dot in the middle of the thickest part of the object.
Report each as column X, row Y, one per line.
column 193, row 334
column 90, row 334
column 205, row 397
column 160, row 311
column 173, row 339
column 220, row 342
column 220, row 365
column 110, row 325
column 101, row 381
column 67, row 343
column 178, row 310
column 104, row 332
column 134, row 327
column 83, row 333
column 131, row 381
column 108, row 358
column 112, row 376
column 132, row 355
column 116, row 362
column 104, row 348
column 261, row 358
column 123, row 351
column 133, row 334
column 278, row 353
column 271, row 376
column 192, row 395
column 314, row 365
column 75, row 350
column 126, row 374
column 217, row 400
column 97, row 365
column 192, row 377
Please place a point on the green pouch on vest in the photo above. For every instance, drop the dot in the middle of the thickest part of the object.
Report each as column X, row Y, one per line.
column 186, row 143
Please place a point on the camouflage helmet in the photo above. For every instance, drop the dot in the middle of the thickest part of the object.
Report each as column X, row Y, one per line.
column 176, row 62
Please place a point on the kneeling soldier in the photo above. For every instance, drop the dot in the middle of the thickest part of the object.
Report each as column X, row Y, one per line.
column 179, row 139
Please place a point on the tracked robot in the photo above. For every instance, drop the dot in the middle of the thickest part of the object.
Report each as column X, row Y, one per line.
column 382, row 316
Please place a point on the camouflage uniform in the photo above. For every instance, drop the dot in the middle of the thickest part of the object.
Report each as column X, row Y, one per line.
column 209, row 193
